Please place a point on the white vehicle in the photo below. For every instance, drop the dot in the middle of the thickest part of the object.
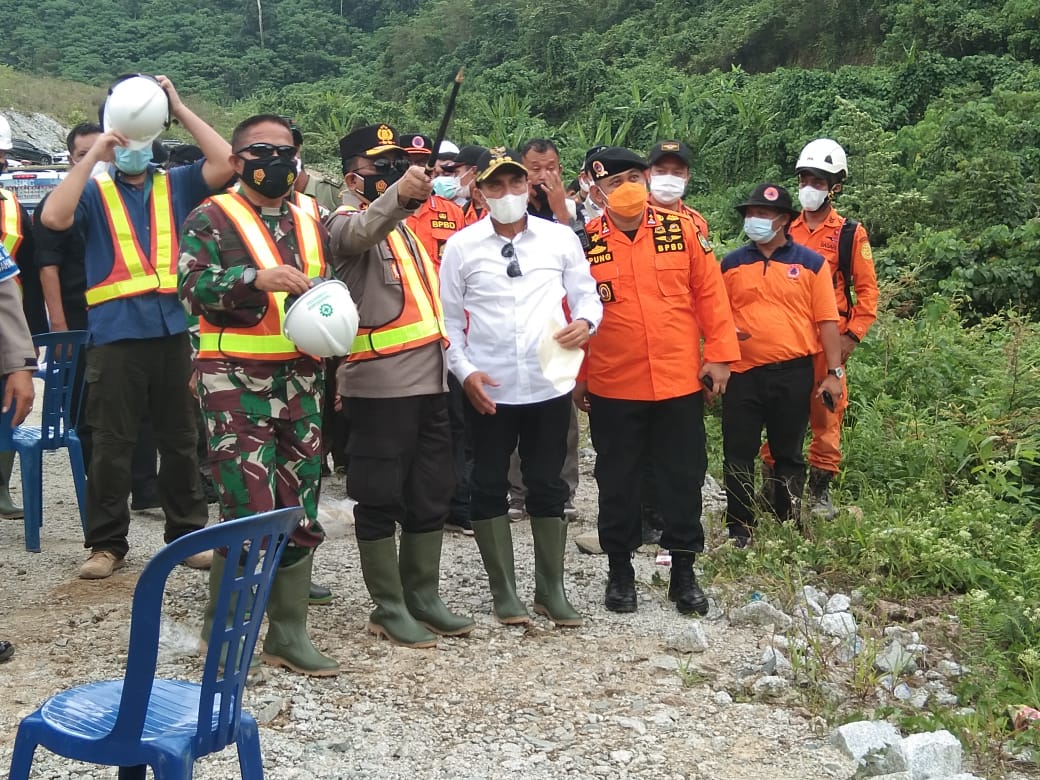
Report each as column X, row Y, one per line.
column 30, row 184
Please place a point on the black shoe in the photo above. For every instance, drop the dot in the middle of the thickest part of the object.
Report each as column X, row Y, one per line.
column 683, row 588
column 6, row 651
column 319, row 595
column 621, row 587
column 146, row 501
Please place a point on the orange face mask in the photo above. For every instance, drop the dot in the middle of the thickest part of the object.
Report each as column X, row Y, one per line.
column 628, row 200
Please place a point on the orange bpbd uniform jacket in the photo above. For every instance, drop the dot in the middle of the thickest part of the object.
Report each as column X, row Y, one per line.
column 778, row 303
column 436, row 220
column 824, row 240
column 662, row 295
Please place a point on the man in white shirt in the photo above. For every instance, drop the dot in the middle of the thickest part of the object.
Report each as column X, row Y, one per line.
column 503, row 284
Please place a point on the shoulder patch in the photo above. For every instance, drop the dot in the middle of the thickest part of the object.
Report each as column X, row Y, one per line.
column 865, row 252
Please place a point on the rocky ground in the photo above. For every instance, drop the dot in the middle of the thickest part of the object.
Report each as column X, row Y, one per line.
column 622, row 697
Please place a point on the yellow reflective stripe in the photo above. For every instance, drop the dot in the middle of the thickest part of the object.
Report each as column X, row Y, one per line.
column 11, row 225
column 272, row 345
column 384, row 339
column 164, row 237
column 410, row 273
column 308, row 204
column 310, row 248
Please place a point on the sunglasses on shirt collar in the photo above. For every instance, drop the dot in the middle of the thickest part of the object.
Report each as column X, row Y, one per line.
column 513, row 269
column 266, row 151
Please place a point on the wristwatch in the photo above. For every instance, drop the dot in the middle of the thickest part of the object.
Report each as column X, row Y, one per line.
column 249, row 278
column 838, row 372
column 592, row 327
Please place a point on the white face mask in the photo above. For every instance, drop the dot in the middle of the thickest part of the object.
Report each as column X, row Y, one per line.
column 667, row 188
column 583, row 185
column 811, row 198
column 507, row 209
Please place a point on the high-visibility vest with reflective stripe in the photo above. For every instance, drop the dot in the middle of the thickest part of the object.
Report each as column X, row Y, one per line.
column 11, row 233
column 421, row 320
column 264, row 340
column 134, row 272
column 307, row 204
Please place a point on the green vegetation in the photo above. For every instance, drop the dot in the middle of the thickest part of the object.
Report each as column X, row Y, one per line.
column 937, row 103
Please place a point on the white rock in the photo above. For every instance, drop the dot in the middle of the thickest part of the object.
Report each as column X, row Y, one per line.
column 768, row 686
column 632, row 723
column 892, row 776
column 621, row 756
column 839, row 624
column 875, row 746
column 722, row 697
column 895, row 659
column 667, row 662
column 933, row 755
column 903, row 692
column 839, row 602
column 688, row 639
column 962, row 776
column 759, row 613
column 775, row 662
column 949, row 668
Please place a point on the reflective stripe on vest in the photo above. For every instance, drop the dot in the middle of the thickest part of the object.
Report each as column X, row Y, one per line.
column 264, row 340
column 10, row 222
column 134, row 272
column 308, row 204
column 421, row 320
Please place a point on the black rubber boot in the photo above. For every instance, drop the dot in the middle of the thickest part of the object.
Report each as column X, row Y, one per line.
column 820, row 494
column 550, row 598
column 683, row 588
column 420, row 565
column 621, row 584
column 287, row 643
column 495, row 542
column 390, row 618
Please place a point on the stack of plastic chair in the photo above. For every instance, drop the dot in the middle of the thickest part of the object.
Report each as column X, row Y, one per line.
column 55, row 431
column 141, row 722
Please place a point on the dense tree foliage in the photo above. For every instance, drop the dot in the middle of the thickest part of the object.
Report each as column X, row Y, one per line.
column 936, row 102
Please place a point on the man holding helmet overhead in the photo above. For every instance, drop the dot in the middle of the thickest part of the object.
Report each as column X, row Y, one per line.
column 139, row 359
column 394, row 387
column 243, row 253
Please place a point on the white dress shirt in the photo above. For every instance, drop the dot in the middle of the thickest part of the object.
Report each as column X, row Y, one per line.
column 495, row 322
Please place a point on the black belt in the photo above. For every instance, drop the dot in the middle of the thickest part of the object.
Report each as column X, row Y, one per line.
column 792, row 363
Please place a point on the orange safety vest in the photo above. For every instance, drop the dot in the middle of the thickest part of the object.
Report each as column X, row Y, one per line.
column 264, row 340
column 134, row 272
column 307, row 203
column 11, row 225
column 421, row 320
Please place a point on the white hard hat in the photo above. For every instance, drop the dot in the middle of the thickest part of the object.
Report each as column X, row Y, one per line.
column 824, row 155
column 138, row 108
column 5, row 134
column 447, row 147
column 323, row 321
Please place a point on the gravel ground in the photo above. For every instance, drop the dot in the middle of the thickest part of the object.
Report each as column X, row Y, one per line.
column 608, row 700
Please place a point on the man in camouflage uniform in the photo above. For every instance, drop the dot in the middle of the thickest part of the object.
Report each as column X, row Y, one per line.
column 260, row 397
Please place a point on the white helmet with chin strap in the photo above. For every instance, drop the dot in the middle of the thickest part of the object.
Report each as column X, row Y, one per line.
column 5, row 134
column 323, row 321
column 137, row 107
column 825, row 157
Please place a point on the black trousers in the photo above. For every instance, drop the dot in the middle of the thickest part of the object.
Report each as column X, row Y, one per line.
column 461, row 447
column 400, row 468
column 129, row 379
column 668, row 436
column 538, row 432
column 777, row 398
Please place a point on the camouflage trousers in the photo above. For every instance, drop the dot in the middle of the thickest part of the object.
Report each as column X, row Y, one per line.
column 260, row 463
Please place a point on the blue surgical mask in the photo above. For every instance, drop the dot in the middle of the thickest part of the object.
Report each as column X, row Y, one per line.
column 133, row 161
column 446, row 186
column 759, row 229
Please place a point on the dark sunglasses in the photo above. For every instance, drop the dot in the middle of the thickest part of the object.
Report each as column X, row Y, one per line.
column 384, row 165
column 266, row 151
column 513, row 269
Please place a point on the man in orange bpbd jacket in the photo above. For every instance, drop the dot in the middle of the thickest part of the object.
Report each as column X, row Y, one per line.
column 438, row 218
column 641, row 384
column 822, row 168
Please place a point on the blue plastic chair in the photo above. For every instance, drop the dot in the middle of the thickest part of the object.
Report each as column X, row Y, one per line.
column 57, row 430
column 166, row 724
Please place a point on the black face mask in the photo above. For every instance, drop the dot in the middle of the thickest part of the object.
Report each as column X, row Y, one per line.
column 272, row 177
column 387, row 173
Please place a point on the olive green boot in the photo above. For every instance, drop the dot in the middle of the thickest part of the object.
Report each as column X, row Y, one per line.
column 550, row 539
column 391, row 617
column 287, row 643
column 216, row 573
column 495, row 542
column 420, row 566
column 7, row 507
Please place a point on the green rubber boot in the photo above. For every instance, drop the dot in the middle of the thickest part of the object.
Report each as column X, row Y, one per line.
column 550, row 539
column 391, row 617
column 216, row 573
column 7, row 506
column 420, row 566
column 287, row 643
column 495, row 542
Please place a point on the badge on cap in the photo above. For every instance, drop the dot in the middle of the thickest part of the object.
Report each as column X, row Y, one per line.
column 670, row 146
column 498, row 152
column 385, row 134
column 418, row 142
column 770, row 193
column 598, row 169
